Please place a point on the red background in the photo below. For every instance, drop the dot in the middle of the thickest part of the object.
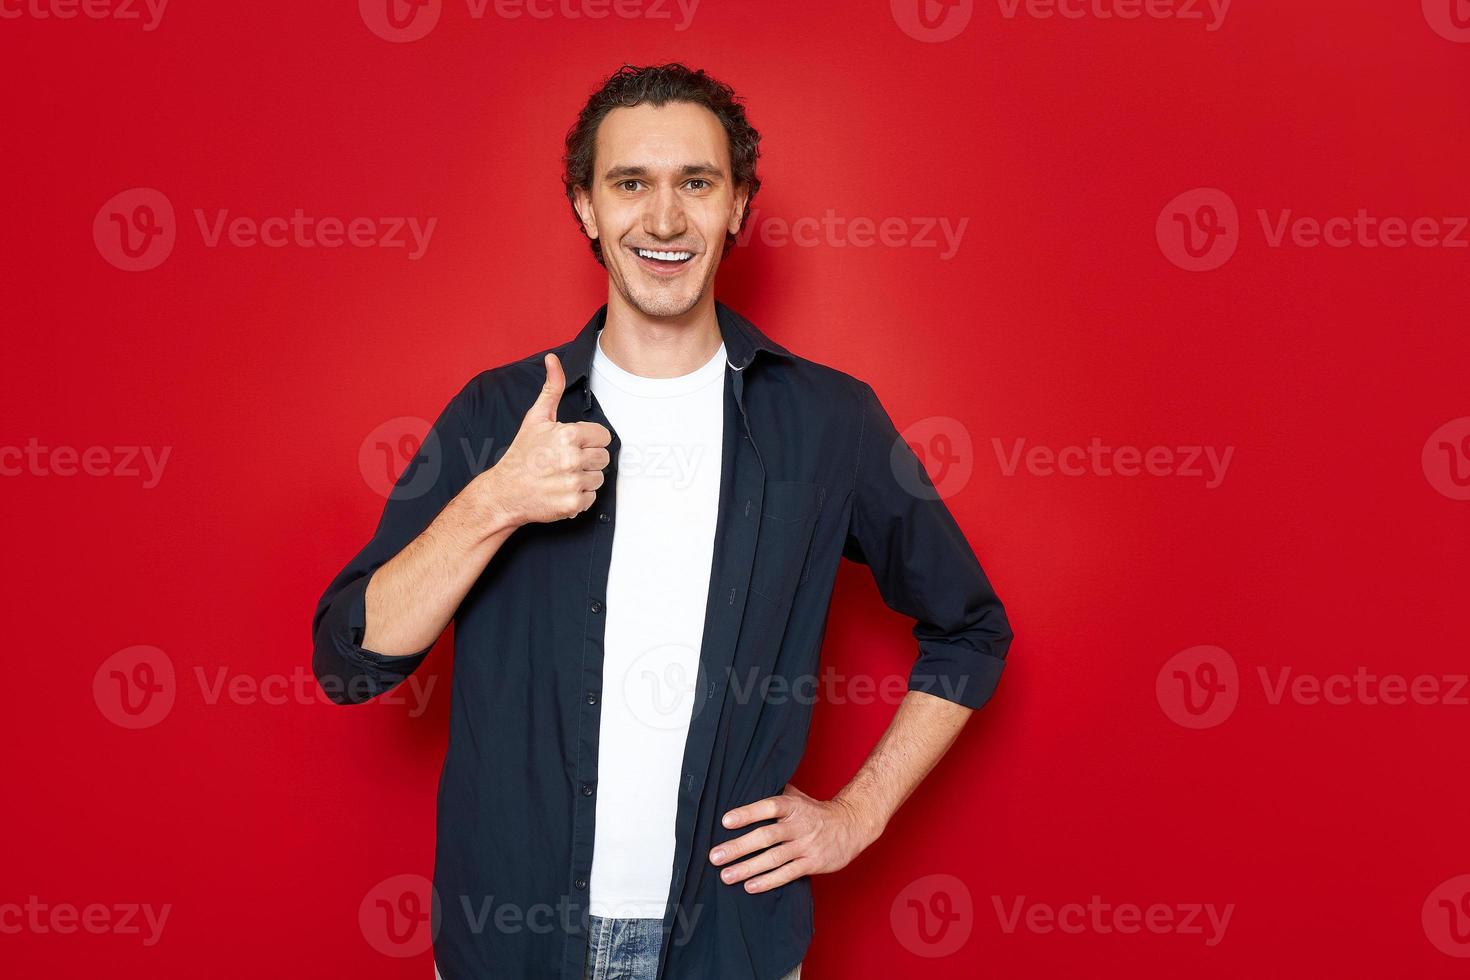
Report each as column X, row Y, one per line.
column 1326, row 548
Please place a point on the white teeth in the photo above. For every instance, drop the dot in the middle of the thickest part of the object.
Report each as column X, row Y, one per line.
column 665, row 256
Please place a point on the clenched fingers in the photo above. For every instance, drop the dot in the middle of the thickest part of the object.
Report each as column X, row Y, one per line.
column 590, row 434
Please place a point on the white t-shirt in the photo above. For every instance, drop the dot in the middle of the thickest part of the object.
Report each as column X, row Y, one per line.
column 670, row 433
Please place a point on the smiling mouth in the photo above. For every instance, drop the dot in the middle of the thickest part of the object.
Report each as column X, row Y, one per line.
column 661, row 262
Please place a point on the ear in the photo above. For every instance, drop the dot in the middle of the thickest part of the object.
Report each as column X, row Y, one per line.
column 584, row 211
column 737, row 212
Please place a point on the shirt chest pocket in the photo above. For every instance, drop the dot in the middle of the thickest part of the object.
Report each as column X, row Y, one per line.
column 788, row 519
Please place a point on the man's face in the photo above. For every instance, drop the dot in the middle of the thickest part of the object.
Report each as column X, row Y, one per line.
column 661, row 182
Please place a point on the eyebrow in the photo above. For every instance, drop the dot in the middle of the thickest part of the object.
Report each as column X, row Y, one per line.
column 688, row 170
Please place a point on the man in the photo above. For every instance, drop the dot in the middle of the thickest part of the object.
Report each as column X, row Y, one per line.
column 636, row 534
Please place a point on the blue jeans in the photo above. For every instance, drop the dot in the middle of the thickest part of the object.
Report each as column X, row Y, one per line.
column 627, row 949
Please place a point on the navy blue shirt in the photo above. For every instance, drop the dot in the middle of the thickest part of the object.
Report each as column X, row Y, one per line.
column 813, row 471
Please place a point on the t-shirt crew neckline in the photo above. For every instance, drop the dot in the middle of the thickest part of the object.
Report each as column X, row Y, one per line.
column 636, row 384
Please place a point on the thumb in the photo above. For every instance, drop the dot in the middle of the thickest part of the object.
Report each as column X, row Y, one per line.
column 544, row 408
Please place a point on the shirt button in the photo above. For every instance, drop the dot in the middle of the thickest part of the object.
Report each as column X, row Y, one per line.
column 603, row 518
column 586, row 789
column 591, row 697
column 596, row 605
column 580, row 883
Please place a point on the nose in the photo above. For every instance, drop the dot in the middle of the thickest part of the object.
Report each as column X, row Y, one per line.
column 664, row 217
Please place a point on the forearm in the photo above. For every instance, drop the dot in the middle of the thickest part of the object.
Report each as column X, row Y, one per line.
column 922, row 730
column 412, row 597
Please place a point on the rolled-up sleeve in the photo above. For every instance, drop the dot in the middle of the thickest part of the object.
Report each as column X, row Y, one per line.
column 924, row 568
column 348, row 672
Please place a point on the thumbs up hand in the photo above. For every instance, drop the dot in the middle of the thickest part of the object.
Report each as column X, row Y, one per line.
column 552, row 469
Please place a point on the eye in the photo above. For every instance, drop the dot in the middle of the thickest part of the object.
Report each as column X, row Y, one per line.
column 624, row 184
column 698, row 180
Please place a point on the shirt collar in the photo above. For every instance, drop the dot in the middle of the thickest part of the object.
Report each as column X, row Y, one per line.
column 742, row 341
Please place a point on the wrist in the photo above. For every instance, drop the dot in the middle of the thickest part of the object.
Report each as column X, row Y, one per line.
column 491, row 506
column 865, row 816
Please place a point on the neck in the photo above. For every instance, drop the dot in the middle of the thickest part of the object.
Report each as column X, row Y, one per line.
column 660, row 347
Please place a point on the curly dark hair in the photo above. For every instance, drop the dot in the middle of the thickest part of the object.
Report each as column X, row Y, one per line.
column 658, row 85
